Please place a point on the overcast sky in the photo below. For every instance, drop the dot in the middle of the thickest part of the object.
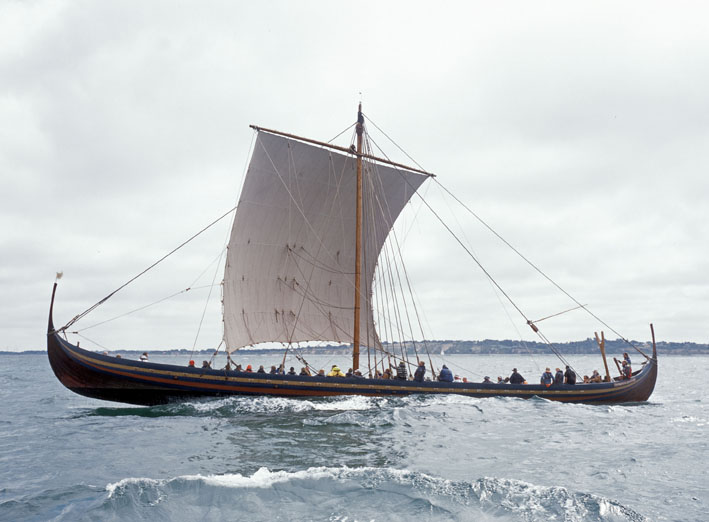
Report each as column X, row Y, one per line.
column 579, row 131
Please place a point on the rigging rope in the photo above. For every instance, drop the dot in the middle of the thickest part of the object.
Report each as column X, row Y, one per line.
column 539, row 270
column 206, row 304
column 93, row 307
column 395, row 243
column 482, row 268
column 90, row 340
column 584, row 307
column 142, row 308
column 340, row 134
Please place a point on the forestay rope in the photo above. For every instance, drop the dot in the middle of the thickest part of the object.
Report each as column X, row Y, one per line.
column 93, row 307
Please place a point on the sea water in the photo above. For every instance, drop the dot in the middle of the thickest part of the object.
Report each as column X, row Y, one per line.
column 65, row 457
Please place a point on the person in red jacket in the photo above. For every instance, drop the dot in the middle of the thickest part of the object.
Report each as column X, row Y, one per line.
column 627, row 372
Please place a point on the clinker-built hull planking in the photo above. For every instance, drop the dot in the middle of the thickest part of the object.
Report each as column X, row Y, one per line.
column 145, row 383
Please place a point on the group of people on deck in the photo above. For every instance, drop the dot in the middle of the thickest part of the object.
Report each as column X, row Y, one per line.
column 445, row 375
column 566, row 377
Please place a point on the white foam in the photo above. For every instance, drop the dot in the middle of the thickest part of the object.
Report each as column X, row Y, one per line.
column 264, row 478
column 355, row 402
column 514, row 496
column 111, row 488
column 281, row 404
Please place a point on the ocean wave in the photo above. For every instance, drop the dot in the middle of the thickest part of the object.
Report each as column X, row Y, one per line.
column 235, row 405
column 231, row 406
column 357, row 418
column 327, row 493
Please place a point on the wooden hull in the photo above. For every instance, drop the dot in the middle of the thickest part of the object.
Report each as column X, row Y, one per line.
column 145, row 383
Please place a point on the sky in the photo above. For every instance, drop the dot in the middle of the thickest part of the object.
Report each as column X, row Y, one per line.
column 578, row 131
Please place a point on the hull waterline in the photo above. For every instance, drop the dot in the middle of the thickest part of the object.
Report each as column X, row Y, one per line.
column 144, row 383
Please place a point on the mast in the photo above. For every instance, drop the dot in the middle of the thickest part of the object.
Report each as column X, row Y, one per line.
column 358, row 240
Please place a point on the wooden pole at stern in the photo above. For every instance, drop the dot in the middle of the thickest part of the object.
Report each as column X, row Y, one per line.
column 602, row 345
column 654, row 346
column 358, row 240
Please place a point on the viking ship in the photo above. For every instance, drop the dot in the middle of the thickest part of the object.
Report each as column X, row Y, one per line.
column 304, row 255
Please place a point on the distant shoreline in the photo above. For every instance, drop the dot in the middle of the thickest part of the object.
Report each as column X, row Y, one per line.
column 486, row 347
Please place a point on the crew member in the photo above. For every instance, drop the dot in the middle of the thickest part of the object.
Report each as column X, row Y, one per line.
column 516, row 378
column 420, row 372
column 570, row 375
column 445, row 375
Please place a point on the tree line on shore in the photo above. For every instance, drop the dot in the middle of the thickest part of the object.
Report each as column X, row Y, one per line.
column 452, row 347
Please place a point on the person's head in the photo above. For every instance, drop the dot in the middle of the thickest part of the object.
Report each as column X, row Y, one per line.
column 292, row 369
column 625, row 354
column 421, row 363
column 191, row 363
column 334, row 366
column 548, row 369
column 248, row 367
column 487, row 378
column 558, row 369
column 444, row 366
column 568, row 367
column 514, row 370
column 625, row 363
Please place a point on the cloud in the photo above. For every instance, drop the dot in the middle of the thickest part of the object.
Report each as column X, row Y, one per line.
column 578, row 132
